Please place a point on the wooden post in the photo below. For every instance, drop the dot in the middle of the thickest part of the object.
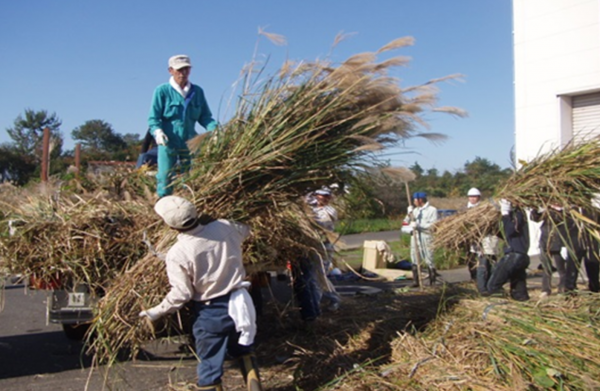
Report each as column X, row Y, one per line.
column 78, row 159
column 45, row 155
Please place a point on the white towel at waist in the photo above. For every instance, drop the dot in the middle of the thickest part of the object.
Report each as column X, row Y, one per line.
column 241, row 309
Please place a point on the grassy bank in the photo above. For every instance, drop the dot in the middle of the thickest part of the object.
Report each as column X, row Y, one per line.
column 347, row 227
column 444, row 259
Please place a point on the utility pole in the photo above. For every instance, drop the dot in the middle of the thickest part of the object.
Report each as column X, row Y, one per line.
column 46, row 155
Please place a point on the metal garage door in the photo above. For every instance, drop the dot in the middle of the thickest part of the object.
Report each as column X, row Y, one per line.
column 586, row 116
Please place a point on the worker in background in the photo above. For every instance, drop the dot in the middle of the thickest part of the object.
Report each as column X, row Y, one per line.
column 552, row 230
column 176, row 107
column 513, row 265
column 474, row 252
column 205, row 266
column 148, row 152
column 481, row 256
column 421, row 217
column 326, row 216
column 583, row 245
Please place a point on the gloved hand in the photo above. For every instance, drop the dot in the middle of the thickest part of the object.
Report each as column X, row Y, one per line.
column 160, row 137
column 410, row 209
column 414, row 224
column 153, row 314
column 505, row 207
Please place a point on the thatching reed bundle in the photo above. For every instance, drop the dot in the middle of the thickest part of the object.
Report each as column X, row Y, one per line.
column 312, row 124
column 499, row 345
column 465, row 228
column 60, row 238
column 567, row 177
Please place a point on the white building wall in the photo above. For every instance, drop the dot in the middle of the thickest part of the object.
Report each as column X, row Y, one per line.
column 556, row 56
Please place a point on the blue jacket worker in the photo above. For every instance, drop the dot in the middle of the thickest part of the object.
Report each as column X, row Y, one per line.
column 176, row 107
column 205, row 266
column 513, row 265
column 148, row 152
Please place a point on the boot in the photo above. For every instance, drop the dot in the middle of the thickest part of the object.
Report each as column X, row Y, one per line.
column 415, row 271
column 432, row 275
column 213, row 387
column 250, row 373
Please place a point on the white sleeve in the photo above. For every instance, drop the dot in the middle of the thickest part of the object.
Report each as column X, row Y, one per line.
column 181, row 291
column 331, row 212
column 429, row 217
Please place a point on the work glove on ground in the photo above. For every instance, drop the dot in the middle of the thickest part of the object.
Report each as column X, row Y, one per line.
column 505, row 207
column 160, row 137
column 153, row 314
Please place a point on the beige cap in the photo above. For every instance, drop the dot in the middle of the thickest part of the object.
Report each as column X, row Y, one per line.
column 177, row 212
column 179, row 61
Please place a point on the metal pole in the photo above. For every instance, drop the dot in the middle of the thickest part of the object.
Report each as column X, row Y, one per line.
column 417, row 238
column 45, row 155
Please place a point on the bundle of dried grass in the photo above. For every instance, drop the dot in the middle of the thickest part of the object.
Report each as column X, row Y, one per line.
column 80, row 232
column 459, row 231
column 500, row 345
column 567, row 177
column 312, row 124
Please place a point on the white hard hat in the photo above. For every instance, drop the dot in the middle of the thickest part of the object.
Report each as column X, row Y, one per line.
column 324, row 191
column 177, row 212
column 473, row 192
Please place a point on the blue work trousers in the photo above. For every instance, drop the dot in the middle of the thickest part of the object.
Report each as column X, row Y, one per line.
column 214, row 331
column 306, row 288
column 512, row 267
column 167, row 167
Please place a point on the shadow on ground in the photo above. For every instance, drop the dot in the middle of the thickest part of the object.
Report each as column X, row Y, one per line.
column 295, row 355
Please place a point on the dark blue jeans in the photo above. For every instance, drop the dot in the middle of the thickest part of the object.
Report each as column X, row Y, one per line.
column 512, row 267
column 306, row 289
column 216, row 337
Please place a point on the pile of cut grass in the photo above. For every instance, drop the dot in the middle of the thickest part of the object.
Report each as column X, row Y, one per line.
column 496, row 344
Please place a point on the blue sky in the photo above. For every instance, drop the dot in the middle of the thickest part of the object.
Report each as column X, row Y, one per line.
column 89, row 60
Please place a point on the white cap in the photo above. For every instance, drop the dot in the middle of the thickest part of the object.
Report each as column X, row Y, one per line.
column 177, row 212
column 323, row 192
column 473, row 192
column 179, row 61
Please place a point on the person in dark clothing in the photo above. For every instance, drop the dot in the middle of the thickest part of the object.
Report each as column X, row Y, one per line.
column 584, row 246
column 552, row 231
column 591, row 262
column 513, row 265
column 148, row 151
column 305, row 286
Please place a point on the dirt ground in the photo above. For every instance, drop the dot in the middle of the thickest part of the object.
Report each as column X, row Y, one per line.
column 295, row 355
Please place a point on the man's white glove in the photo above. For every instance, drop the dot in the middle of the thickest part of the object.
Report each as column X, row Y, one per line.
column 414, row 224
column 505, row 207
column 153, row 314
column 410, row 209
column 160, row 137
column 564, row 252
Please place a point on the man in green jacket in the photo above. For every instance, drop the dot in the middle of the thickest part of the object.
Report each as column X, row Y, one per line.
column 176, row 107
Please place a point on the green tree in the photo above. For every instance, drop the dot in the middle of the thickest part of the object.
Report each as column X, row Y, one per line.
column 98, row 136
column 27, row 134
column 131, row 150
column 417, row 170
column 15, row 167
